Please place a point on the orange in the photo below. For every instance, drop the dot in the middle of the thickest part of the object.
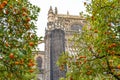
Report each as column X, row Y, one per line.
column 16, row 62
column 31, row 43
column 28, row 19
column 30, row 60
column 5, row 2
column 118, row 66
column 82, row 56
column 31, row 70
column 24, row 9
column 27, row 26
column 11, row 56
column 114, row 44
column 2, row 6
column 6, row 44
column 24, row 14
column 11, row 6
column 29, row 64
column 112, row 52
column 95, row 31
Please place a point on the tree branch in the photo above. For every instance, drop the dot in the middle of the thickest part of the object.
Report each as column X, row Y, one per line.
column 110, row 71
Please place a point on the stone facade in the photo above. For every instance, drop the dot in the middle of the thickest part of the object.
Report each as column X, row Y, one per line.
column 40, row 59
column 60, row 28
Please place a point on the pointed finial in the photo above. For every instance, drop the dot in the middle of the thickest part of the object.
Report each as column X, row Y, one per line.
column 50, row 10
column 56, row 11
column 50, row 7
column 67, row 12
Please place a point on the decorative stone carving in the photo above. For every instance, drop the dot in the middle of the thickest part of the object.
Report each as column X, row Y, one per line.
column 60, row 28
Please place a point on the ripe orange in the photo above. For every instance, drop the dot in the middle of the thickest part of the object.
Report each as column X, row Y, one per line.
column 77, row 63
column 21, row 62
column 85, row 60
column 18, row 20
column 118, row 66
column 31, row 70
column 11, row 56
column 71, row 78
column 24, row 9
column 82, row 56
column 5, row 2
column 87, row 67
column 88, row 73
column 31, row 43
column 28, row 19
column 95, row 31
column 113, row 52
column 31, row 61
column 11, row 6
column 16, row 62
column 6, row 44
column 24, row 14
column 114, row 44
column 27, row 26
column 29, row 64
column 92, row 17
column 99, row 51
column 2, row 6
column 108, row 51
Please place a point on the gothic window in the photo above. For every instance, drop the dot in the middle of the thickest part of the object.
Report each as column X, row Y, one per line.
column 76, row 27
column 39, row 62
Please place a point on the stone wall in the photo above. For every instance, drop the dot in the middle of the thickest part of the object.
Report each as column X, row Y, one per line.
column 57, row 47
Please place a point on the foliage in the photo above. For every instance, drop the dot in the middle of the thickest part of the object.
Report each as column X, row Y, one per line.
column 97, row 49
column 17, row 39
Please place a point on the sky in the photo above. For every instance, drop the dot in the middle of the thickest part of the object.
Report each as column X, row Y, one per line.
column 74, row 7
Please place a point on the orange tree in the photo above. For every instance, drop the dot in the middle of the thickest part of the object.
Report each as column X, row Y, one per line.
column 17, row 39
column 97, row 48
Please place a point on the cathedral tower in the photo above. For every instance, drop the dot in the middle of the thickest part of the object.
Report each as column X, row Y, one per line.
column 60, row 28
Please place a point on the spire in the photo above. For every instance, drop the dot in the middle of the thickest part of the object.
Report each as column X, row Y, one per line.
column 51, row 15
column 50, row 10
column 67, row 12
column 56, row 11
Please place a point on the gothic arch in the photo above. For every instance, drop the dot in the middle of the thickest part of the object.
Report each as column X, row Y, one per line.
column 76, row 25
column 39, row 62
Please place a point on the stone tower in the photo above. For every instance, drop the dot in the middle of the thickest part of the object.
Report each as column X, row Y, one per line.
column 60, row 28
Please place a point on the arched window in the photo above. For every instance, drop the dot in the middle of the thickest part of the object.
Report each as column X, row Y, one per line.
column 39, row 62
column 76, row 27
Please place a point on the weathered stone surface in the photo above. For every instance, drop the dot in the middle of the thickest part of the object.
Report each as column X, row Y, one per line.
column 57, row 47
column 60, row 28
